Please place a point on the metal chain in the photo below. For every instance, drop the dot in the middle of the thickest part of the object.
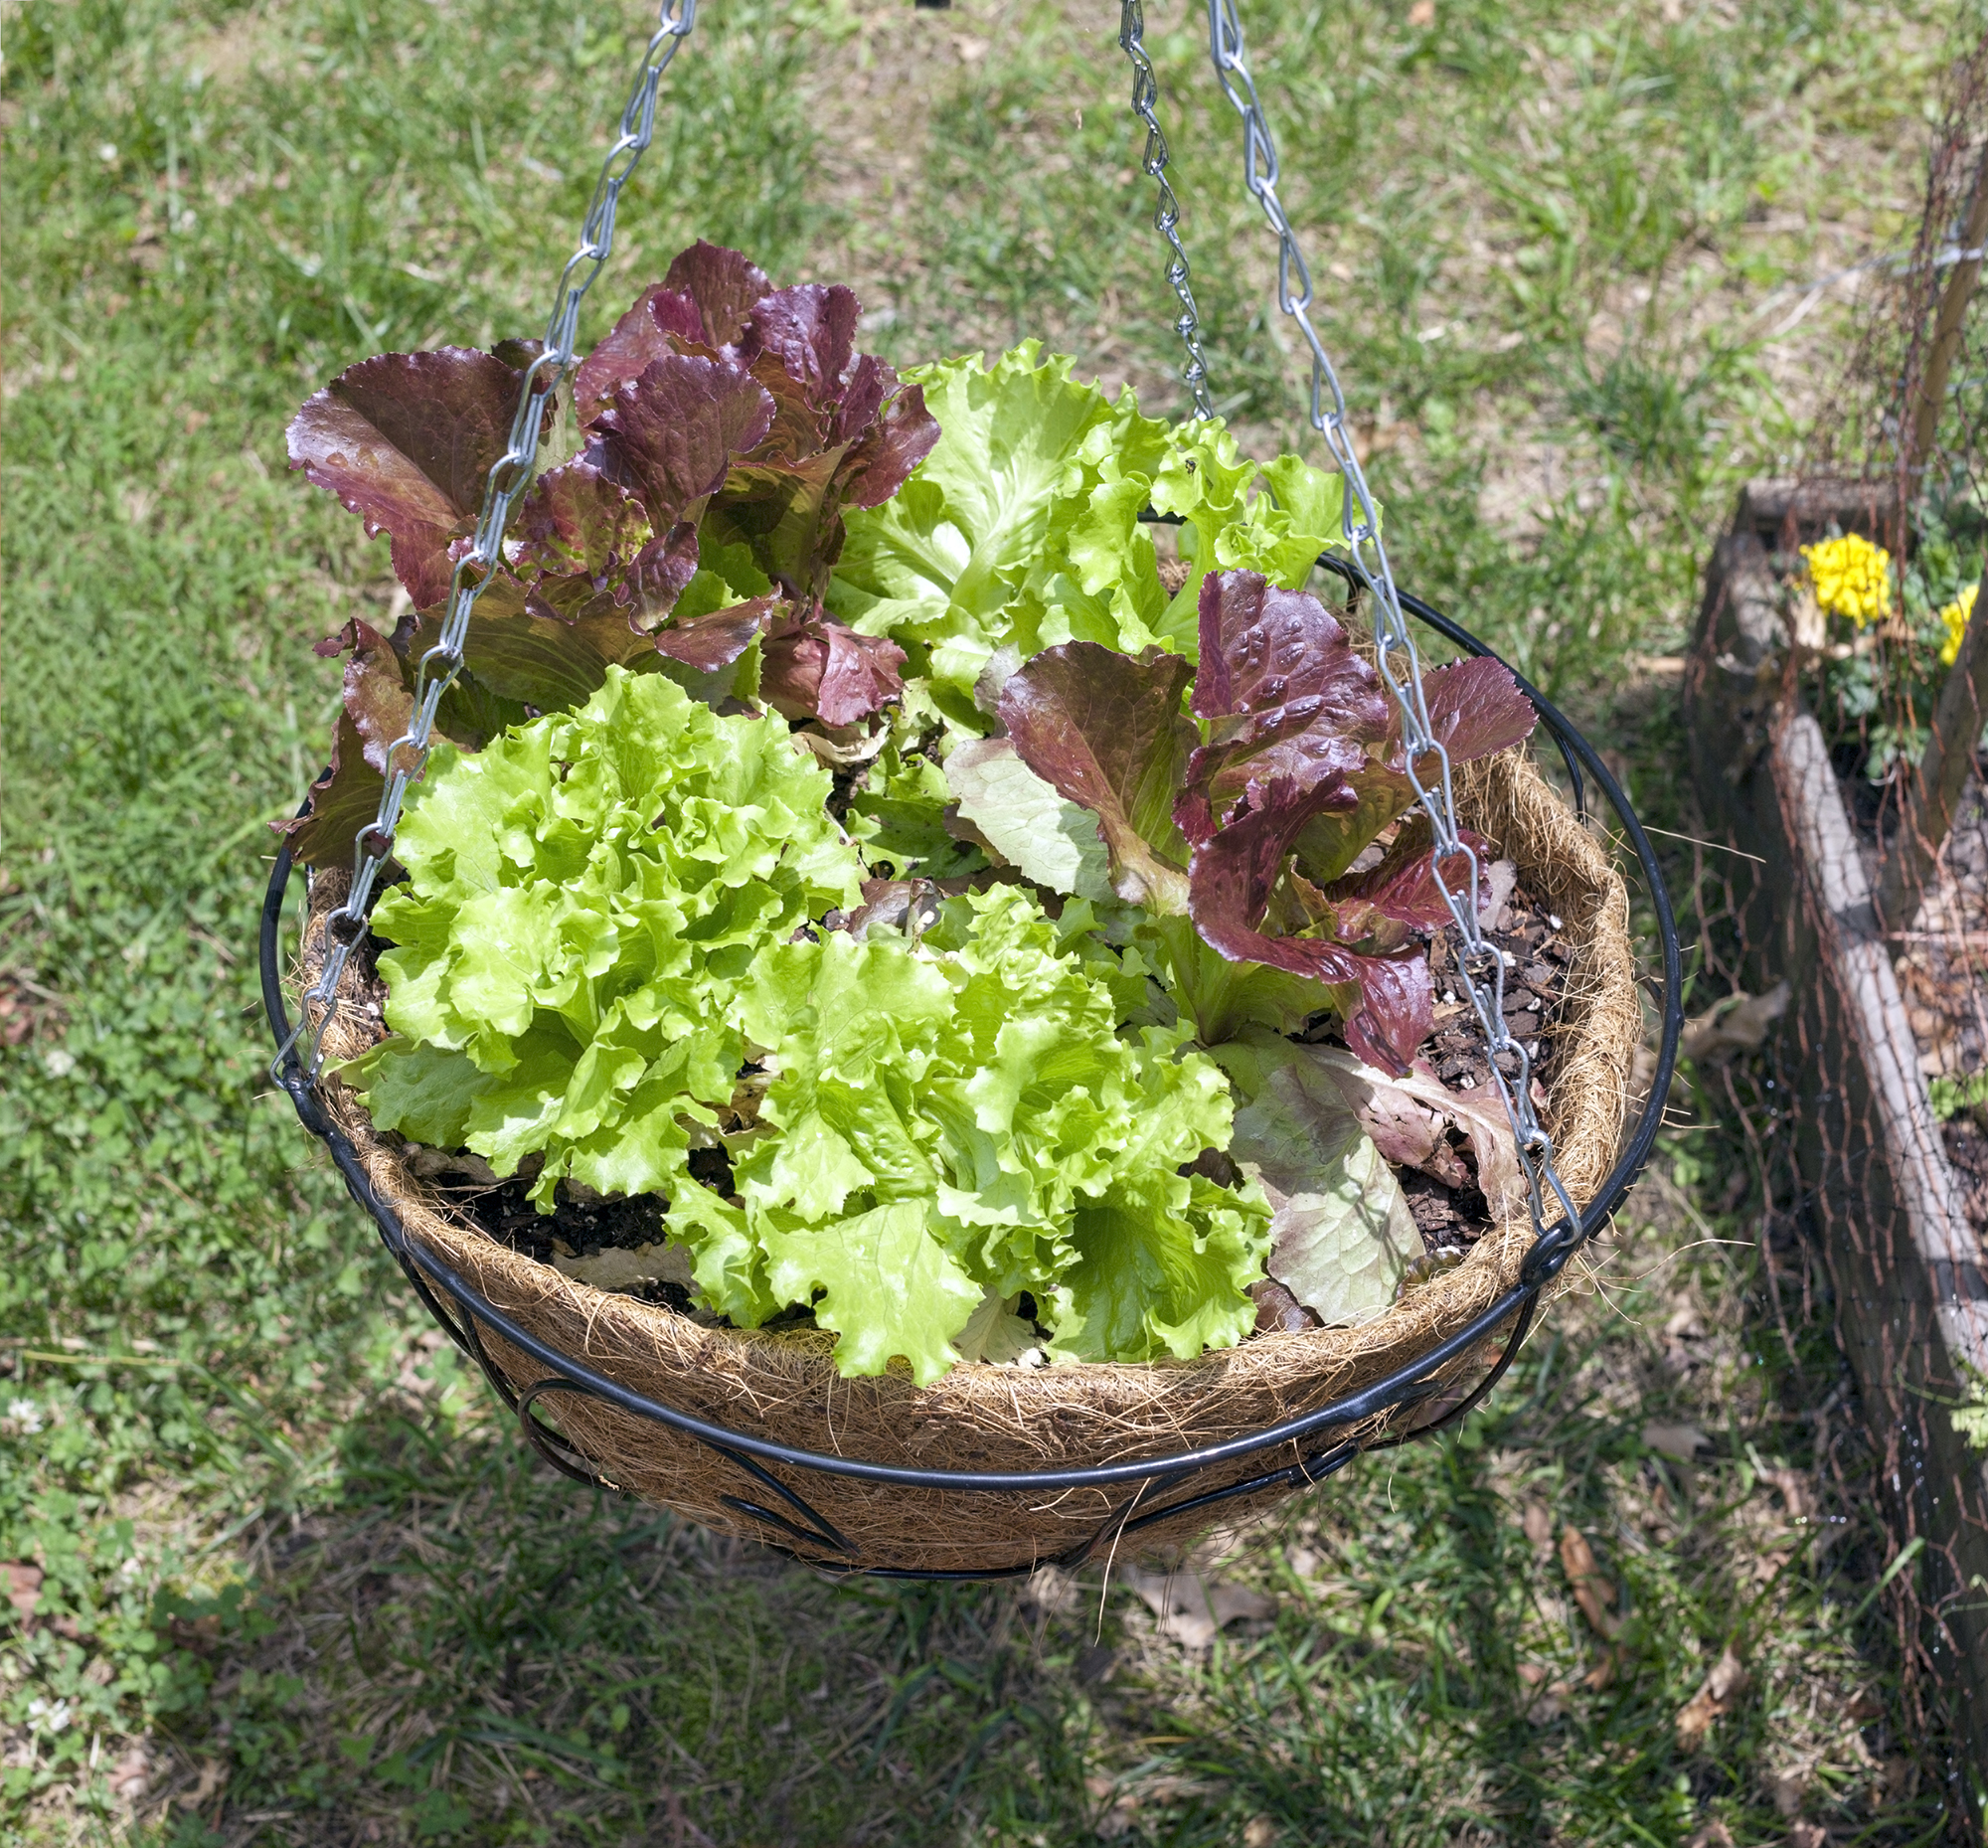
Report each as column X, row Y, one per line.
column 1166, row 213
column 507, row 478
column 1481, row 966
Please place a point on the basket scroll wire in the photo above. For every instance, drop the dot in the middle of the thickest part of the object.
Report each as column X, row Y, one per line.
column 1149, row 1496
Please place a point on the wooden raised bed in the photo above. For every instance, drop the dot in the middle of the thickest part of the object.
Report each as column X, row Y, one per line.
column 1911, row 1292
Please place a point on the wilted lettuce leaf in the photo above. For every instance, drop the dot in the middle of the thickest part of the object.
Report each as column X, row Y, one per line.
column 1341, row 1235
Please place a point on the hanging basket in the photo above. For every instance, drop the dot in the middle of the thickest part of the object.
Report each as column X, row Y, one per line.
column 996, row 1470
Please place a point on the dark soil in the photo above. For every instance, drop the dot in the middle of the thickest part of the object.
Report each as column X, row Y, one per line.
column 1528, row 936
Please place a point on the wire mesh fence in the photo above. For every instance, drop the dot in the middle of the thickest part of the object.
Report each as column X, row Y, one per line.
column 1834, row 706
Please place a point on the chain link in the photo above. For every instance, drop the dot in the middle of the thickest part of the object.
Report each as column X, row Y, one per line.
column 1166, row 212
column 1481, row 966
column 507, row 478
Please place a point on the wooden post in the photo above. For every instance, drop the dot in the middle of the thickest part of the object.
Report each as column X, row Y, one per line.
column 1931, row 800
column 1946, row 327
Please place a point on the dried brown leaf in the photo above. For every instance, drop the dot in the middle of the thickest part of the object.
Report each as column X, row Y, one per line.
column 1592, row 1591
column 1683, row 1441
column 1723, row 1686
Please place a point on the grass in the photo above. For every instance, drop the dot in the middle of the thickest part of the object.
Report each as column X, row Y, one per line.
column 301, row 1585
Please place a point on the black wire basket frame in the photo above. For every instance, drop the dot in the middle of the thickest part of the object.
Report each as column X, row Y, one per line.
column 1148, row 1485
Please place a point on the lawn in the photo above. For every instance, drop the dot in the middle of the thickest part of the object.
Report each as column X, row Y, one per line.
column 281, row 1572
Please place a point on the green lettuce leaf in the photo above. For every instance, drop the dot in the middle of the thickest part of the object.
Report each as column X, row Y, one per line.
column 599, row 935
column 978, row 1075
column 584, row 896
column 1022, row 527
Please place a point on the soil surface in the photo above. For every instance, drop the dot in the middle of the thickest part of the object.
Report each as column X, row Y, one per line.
column 1527, row 937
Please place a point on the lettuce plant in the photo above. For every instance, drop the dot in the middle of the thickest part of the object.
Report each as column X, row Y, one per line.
column 599, row 969
column 1021, row 528
column 851, row 833
column 686, row 516
column 1238, row 836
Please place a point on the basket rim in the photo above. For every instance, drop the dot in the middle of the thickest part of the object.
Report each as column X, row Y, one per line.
column 1543, row 1261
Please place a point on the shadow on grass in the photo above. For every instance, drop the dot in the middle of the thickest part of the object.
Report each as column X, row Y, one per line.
column 464, row 1647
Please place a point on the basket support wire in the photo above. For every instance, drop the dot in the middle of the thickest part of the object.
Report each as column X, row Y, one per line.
column 507, row 478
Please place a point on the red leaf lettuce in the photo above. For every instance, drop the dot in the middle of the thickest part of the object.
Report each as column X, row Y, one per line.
column 690, row 508
column 1250, row 822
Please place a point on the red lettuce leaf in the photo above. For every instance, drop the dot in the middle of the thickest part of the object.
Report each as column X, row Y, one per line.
column 640, row 336
column 1405, row 885
column 716, row 640
column 661, row 571
column 723, row 284
column 1230, row 884
column 673, row 434
column 844, row 432
column 893, row 444
column 344, row 799
column 578, row 522
column 378, row 699
column 405, row 441
column 1284, row 694
column 809, row 334
column 1475, row 708
column 1106, row 731
column 817, row 668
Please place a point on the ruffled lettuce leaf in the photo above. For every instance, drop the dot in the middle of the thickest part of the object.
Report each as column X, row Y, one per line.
column 1021, row 529
column 599, row 932
column 975, row 1081
column 582, row 896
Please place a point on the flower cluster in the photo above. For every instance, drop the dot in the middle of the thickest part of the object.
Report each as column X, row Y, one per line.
column 1852, row 577
column 1956, row 616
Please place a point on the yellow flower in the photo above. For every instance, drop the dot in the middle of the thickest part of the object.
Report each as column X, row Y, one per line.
column 1956, row 615
column 1852, row 577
